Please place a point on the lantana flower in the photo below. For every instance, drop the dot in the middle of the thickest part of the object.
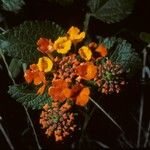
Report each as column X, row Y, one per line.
column 87, row 70
column 62, row 45
column 35, row 75
column 45, row 64
column 68, row 87
column 59, row 90
column 85, row 53
column 83, row 97
column 57, row 120
column 45, row 45
column 101, row 49
column 74, row 35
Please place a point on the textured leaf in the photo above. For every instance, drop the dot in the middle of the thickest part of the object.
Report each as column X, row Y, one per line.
column 111, row 11
column 15, row 67
column 12, row 5
column 22, row 40
column 28, row 97
column 121, row 52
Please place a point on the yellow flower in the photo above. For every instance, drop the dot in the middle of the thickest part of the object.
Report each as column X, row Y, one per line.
column 45, row 64
column 75, row 36
column 85, row 53
column 62, row 45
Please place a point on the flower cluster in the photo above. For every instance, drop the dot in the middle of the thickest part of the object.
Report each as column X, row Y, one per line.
column 65, row 69
column 57, row 120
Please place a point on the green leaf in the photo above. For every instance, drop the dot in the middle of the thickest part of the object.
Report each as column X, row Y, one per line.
column 15, row 67
column 111, row 11
column 12, row 5
column 121, row 52
column 145, row 37
column 21, row 41
column 28, row 97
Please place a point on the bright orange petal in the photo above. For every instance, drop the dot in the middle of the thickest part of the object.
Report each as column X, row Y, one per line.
column 83, row 98
column 101, row 49
column 28, row 76
column 87, row 71
column 60, row 83
column 91, row 71
column 43, row 44
column 67, row 92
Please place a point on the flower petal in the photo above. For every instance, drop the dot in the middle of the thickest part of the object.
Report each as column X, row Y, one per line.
column 45, row 64
column 101, row 49
column 62, row 45
column 85, row 53
column 83, row 98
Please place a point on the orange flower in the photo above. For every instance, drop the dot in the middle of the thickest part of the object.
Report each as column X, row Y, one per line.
column 45, row 45
column 87, row 71
column 101, row 49
column 83, row 97
column 33, row 74
column 59, row 90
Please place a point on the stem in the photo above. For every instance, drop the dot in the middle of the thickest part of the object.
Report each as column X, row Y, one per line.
column 140, row 121
column 11, row 77
column 7, row 67
column 142, row 97
column 34, row 132
column 86, row 22
column 98, row 106
column 6, row 136
column 147, row 136
column 31, row 123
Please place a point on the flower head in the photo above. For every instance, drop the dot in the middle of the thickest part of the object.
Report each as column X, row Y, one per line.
column 66, row 68
column 45, row 64
column 57, row 120
column 110, row 77
column 62, row 45
column 85, row 53
column 75, row 36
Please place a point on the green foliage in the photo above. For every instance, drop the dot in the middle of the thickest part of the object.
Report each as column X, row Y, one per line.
column 15, row 67
column 145, row 37
column 12, row 5
column 20, row 42
column 111, row 11
column 28, row 97
column 121, row 52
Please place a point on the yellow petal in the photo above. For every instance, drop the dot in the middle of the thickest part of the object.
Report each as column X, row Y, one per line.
column 85, row 53
column 74, row 35
column 45, row 64
column 62, row 45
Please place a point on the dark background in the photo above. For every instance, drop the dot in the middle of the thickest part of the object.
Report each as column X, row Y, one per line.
column 122, row 107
